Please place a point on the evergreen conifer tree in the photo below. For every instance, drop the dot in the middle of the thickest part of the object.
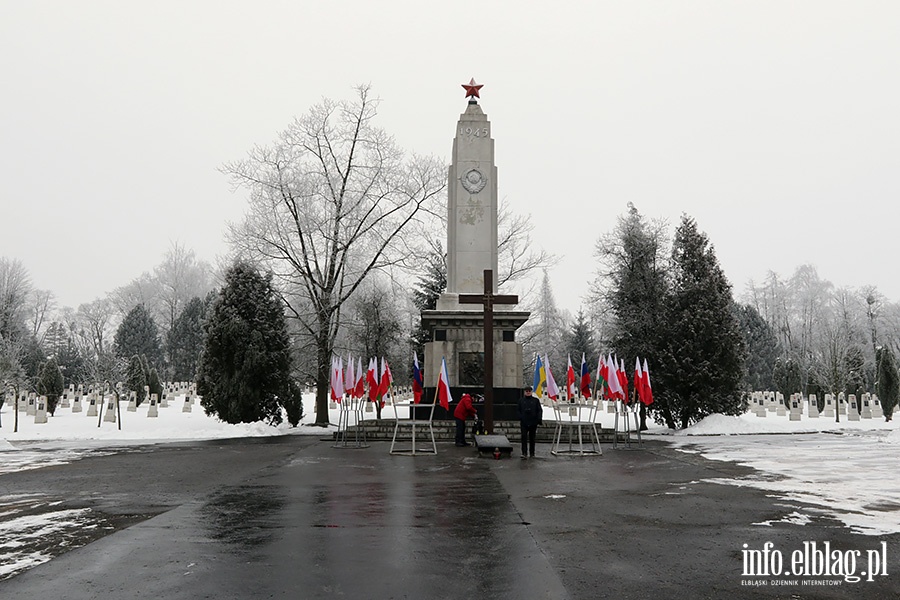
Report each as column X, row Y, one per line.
column 888, row 383
column 581, row 341
column 185, row 341
column 138, row 335
column 154, row 383
column 762, row 349
column 135, row 379
column 51, row 383
column 702, row 364
column 787, row 376
column 245, row 369
column 634, row 285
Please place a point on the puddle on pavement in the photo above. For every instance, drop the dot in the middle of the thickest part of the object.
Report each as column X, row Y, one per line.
column 245, row 516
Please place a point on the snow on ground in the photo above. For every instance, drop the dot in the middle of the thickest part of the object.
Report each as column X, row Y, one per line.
column 840, row 469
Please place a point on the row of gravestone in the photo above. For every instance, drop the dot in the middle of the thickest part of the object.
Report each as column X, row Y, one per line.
column 37, row 406
column 868, row 406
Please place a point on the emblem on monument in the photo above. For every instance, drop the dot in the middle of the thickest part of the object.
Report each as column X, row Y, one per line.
column 473, row 181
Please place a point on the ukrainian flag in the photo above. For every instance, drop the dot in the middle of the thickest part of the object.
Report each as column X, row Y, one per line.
column 540, row 378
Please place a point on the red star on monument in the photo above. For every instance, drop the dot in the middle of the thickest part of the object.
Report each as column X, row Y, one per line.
column 472, row 88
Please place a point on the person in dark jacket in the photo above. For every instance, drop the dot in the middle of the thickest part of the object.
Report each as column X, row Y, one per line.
column 530, row 416
column 463, row 411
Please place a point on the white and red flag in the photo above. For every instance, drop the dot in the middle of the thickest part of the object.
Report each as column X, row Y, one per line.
column 570, row 381
column 647, row 397
column 372, row 379
column 612, row 379
column 386, row 380
column 360, row 386
column 443, row 386
column 623, row 380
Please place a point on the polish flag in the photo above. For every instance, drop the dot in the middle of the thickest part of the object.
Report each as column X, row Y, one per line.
column 349, row 376
column 443, row 386
column 360, row 387
column 386, row 380
column 570, row 381
column 337, row 378
column 585, row 378
column 612, row 380
column 647, row 398
column 623, row 380
column 418, row 383
column 638, row 379
column 371, row 380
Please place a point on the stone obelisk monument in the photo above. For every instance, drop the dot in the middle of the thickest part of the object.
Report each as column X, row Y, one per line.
column 457, row 325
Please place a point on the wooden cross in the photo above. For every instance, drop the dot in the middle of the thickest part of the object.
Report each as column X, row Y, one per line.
column 488, row 299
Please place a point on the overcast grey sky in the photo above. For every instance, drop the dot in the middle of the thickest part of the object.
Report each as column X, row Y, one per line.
column 775, row 124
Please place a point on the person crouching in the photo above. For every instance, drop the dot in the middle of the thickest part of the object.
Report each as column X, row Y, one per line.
column 463, row 411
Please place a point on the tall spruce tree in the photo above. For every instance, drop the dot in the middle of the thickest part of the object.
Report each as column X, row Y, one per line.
column 702, row 364
column 51, row 383
column 139, row 335
column 888, row 383
column 185, row 341
column 762, row 349
column 245, row 369
column 633, row 283
column 787, row 376
column 581, row 342
column 135, row 380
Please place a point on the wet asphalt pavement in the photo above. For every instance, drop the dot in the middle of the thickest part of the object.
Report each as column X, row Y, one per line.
column 292, row 517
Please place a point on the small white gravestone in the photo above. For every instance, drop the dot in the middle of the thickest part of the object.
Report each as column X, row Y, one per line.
column 852, row 408
column 132, row 401
column 164, row 401
column 110, row 414
column 795, row 407
column 92, row 405
column 23, row 402
column 76, row 403
column 780, row 408
column 187, row 405
column 842, row 403
column 866, row 408
column 829, row 406
column 813, row 407
column 31, row 401
column 877, row 409
column 64, row 401
column 153, row 411
column 40, row 410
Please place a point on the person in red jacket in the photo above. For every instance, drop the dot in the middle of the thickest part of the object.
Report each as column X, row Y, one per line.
column 463, row 411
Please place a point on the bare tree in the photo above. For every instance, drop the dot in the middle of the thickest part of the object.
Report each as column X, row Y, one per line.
column 15, row 287
column 92, row 326
column 180, row 277
column 41, row 304
column 328, row 203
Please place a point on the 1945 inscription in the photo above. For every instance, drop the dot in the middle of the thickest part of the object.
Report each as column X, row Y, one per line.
column 474, row 132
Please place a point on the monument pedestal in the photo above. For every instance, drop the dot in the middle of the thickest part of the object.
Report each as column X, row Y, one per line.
column 458, row 337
